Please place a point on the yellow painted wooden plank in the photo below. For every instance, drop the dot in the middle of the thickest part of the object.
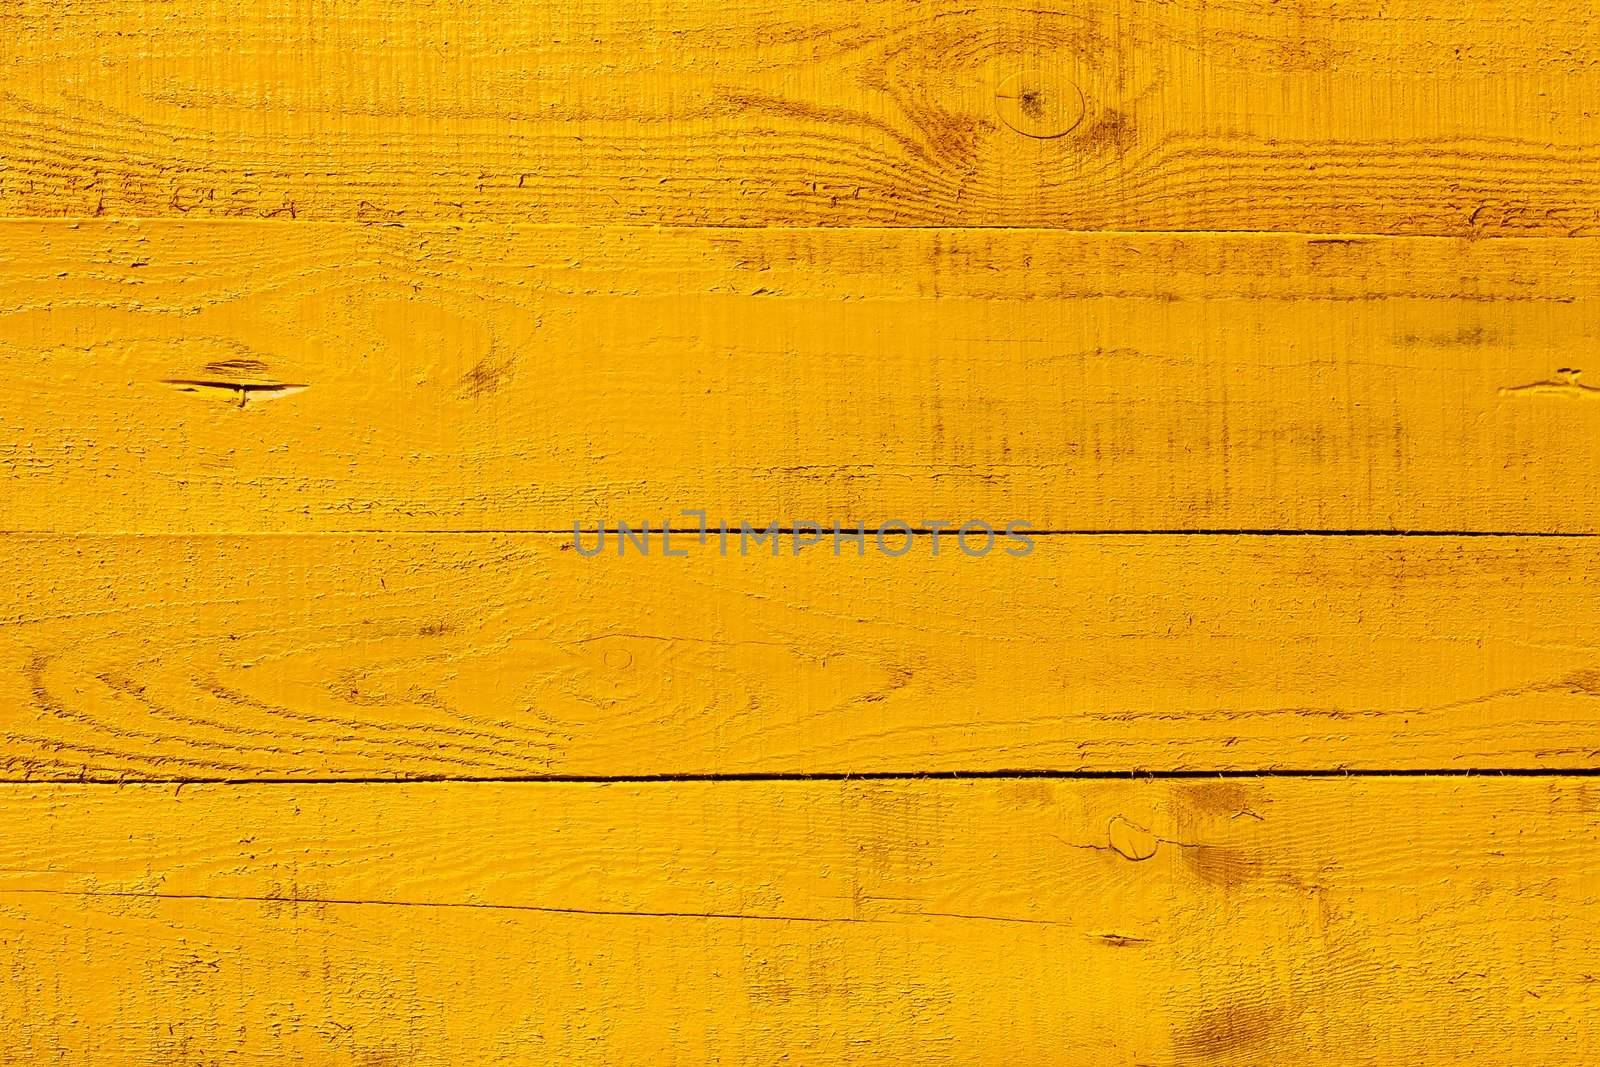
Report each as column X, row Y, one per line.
column 1327, row 115
column 1425, row 921
column 525, row 378
column 468, row 655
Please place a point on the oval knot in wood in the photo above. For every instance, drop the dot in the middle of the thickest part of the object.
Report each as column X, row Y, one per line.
column 1037, row 105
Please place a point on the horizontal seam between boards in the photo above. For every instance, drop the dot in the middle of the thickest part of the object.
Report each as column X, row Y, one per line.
column 446, row 224
column 842, row 776
column 787, row 531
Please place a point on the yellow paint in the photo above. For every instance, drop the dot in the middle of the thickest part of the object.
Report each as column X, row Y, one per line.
column 427, row 378
column 364, row 655
column 1427, row 921
column 321, row 322
column 1333, row 116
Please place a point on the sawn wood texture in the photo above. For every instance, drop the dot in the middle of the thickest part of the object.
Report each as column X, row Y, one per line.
column 1329, row 116
column 986, row 924
column 247, row 377
column 322, row 323
column 489, row 655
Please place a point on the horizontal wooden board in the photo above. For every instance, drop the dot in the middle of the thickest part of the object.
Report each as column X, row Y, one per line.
column 1430, row 117
column 1430, row 922
column 246, row 377
column 467, row 655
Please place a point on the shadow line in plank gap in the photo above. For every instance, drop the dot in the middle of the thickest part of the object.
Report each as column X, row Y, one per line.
column 846, row 776
column 787, row 531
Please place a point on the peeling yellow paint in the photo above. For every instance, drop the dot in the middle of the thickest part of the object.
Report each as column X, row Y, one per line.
column 321, row 744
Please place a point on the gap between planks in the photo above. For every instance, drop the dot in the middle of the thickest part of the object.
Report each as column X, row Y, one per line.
column 787, row 531
column 847, row 776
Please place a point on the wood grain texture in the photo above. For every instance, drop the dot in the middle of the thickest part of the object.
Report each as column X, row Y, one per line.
column 320, row 321
column 1430, row 117
column 251, row 377
column 978, row 923
column 380, row 656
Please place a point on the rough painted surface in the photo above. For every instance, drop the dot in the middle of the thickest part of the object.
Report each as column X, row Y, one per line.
column 393, row 656
column 321, row 321
column 283, row 376
column 1428, row 117
column 1424, row 921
